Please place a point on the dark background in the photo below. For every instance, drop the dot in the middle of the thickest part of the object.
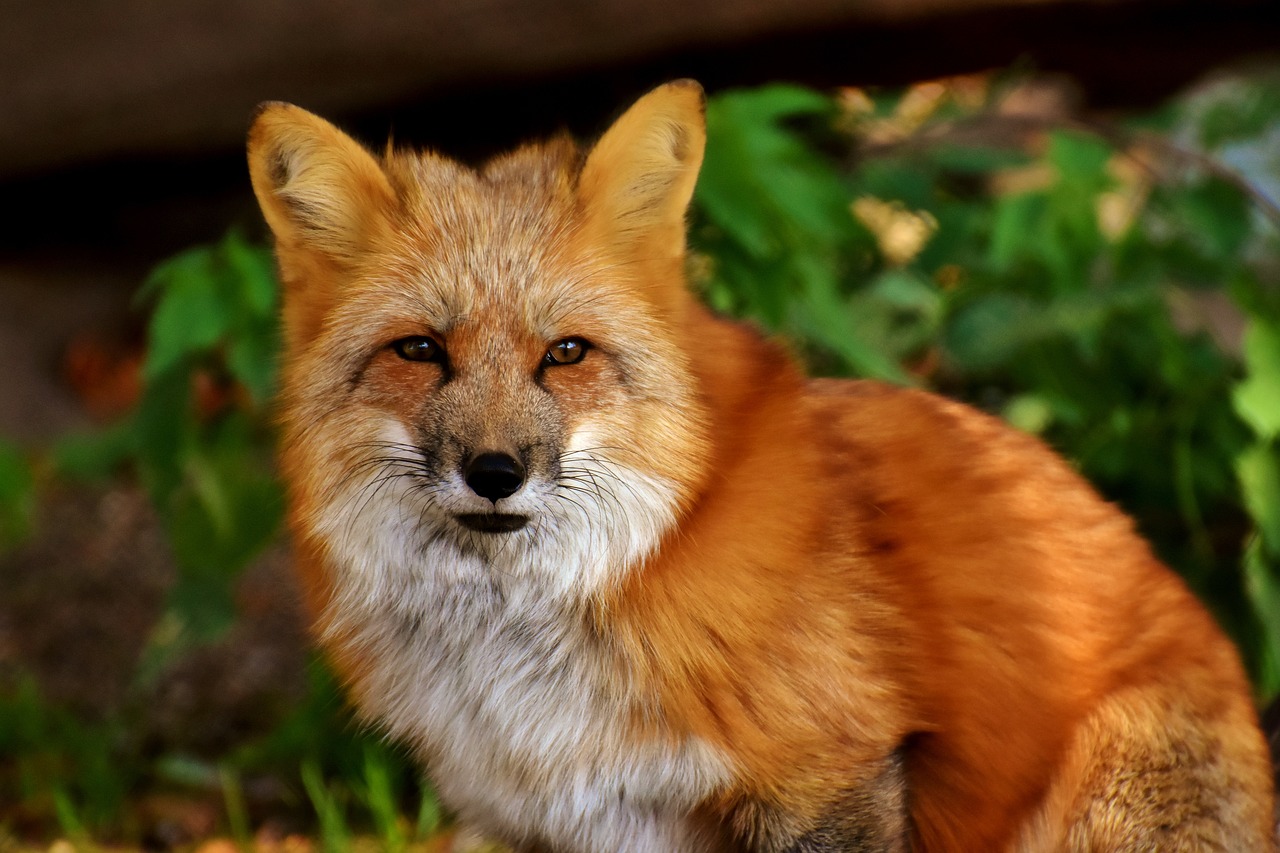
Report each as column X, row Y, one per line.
column 122, row 122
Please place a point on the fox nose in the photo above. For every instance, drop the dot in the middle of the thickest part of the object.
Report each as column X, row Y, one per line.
column 494, row 476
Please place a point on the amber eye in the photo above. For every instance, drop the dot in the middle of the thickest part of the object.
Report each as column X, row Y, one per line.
column 568, row 351
column 419, row 348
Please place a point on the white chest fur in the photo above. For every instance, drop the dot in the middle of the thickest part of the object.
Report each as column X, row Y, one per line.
column 523, row 723
column 476, row 654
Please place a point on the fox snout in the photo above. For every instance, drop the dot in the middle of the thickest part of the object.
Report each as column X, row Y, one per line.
column 494, row 475
column 491, row 481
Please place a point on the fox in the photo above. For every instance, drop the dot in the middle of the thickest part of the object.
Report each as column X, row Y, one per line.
column 621, row 577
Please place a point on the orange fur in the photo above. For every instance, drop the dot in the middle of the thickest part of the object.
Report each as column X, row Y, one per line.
column 860, row 618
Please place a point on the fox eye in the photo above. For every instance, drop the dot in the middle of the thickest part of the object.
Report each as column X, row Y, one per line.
column 418, row 348
column 567, row 351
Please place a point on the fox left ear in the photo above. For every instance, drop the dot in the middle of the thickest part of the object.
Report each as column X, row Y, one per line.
column 639, row 178
column 327, row 201
column 319, row 190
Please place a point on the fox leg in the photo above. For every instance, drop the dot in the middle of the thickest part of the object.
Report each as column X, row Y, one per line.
column 871, row 817
column 1150, row 770
column 869, row 821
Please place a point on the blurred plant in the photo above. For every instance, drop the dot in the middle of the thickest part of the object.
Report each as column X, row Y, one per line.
column 197, row 439
column 776, row 231
column 17, row 495
column 56, row 764
column 1257, row 401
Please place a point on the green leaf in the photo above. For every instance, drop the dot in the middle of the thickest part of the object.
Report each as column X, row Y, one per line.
column 382, row 799
column 1257, row 398
column 1218, row 214
column 165, row 429
column 95, row 455
column 17, row 495
column 761, row 182
column 252, row 358
column 1029, row 413
column 227, row 509
column 1079, row 158
column 190, row 317
column 897, row 314
column 1262, row 587
column 825, row 319
column 252, row 269
column 253, row 344
column 1259, row 471
column 1015, row 226
column 335, row 836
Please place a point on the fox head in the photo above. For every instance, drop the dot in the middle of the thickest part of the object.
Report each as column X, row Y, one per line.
column 485, row 374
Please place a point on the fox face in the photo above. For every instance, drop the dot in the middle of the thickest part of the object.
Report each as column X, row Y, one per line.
column 471, row 354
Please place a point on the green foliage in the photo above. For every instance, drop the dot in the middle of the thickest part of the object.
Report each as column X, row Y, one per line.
column 17, row 495
column 213, row 327
column 61, row 765
column 1258, row 469
column 349, row 776
column 80, row 775
column 216, row 300
column 197, row 440
column 1237, row 109
column 1257, row 398
column 352, row 777
column 335, row 834
column 774, row 220
column 237, row 813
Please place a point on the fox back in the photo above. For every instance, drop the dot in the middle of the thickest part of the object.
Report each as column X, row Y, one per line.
column 624, row 579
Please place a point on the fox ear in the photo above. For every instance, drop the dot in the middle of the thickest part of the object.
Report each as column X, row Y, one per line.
column 319, row 190
column 326, row 200
column 639, row 178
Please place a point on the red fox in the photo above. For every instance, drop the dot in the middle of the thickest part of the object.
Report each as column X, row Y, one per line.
column 625, row 580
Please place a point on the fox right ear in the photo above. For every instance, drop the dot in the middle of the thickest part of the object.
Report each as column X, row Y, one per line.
column 321, row 193
column 639, row 178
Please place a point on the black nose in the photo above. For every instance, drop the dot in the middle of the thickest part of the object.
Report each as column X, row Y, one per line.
column 494, row 475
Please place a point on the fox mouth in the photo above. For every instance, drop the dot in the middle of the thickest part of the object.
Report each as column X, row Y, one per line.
column 492, row 522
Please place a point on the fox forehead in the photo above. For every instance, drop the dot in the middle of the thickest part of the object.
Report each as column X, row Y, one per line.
column 541, row 301
column 497, row 222
column 502, row 245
